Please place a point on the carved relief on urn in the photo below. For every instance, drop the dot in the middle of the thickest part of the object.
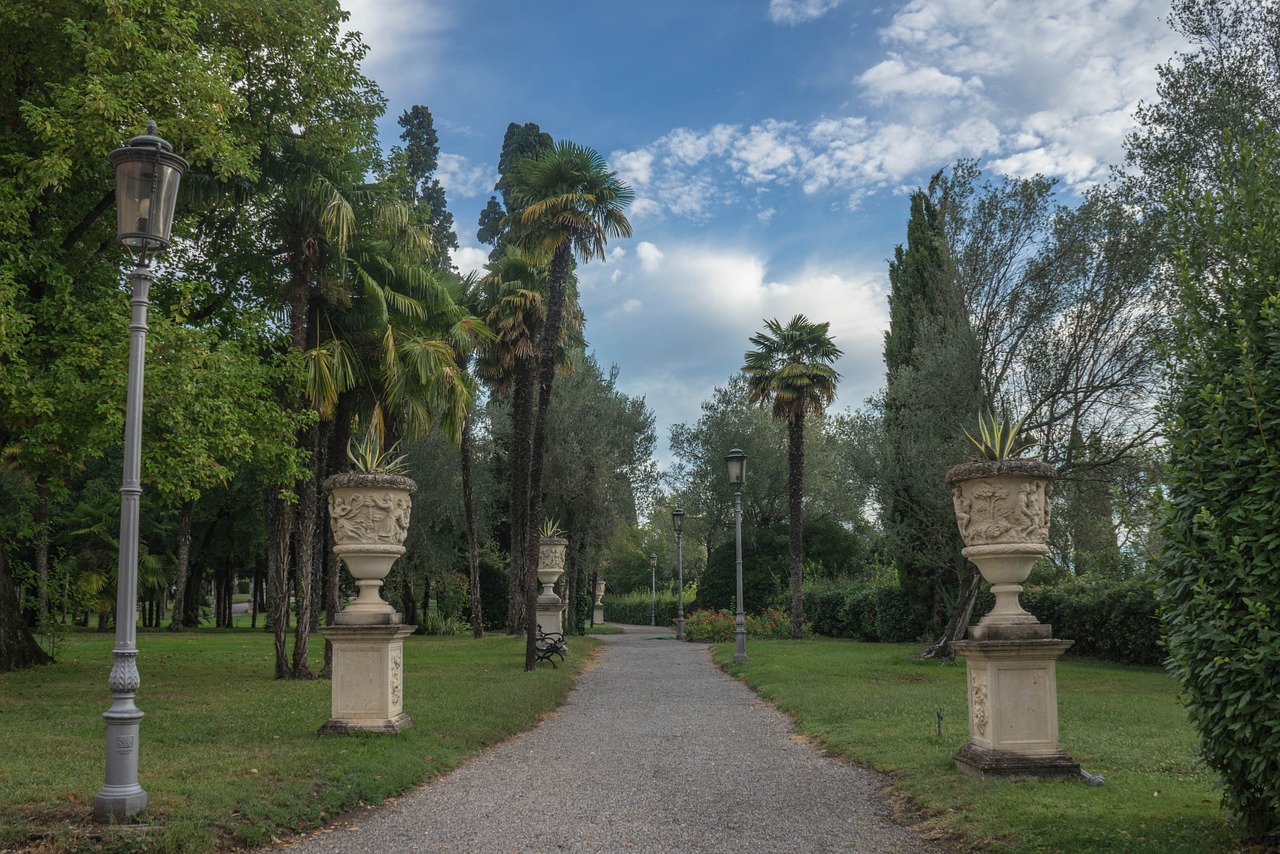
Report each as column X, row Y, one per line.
column 1002, row 510
column 369, row 514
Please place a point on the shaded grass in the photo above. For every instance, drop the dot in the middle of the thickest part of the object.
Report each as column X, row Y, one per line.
column 229, row 756
column 872, row 704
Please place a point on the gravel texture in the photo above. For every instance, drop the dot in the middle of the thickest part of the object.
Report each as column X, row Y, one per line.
column 655, row 750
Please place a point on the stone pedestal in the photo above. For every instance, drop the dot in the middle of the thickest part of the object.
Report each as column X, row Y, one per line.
column 1013, row 707
column 549, row 614
column 368, row 678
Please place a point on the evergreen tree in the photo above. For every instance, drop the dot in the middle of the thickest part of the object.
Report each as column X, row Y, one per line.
column 933, row 390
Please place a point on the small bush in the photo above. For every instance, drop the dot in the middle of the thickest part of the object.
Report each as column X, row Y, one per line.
column 718, row 626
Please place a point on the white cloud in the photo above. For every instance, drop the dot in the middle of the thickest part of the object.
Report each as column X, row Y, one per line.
column 460, row 179
column 893, row 78
column 401, row 35
column 650, row 256
column 1025, row 85
column 634, row 167
column 725, row 294
column 470, row 259
column 799, row 11
column 1060, row 78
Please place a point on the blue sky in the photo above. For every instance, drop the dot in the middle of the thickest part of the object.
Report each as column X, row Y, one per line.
column 771, row 143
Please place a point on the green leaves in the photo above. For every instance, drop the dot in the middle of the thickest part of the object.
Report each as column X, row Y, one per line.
column 999, row 438
column 1220, row 563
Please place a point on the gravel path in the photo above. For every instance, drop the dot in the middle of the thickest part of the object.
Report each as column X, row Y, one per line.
column 655, row 750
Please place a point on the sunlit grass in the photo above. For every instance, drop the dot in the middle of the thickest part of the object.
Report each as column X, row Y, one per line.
column 872, row 704
column 229, row 755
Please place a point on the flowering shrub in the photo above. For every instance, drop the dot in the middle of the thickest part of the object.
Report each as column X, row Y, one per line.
column 717, row 626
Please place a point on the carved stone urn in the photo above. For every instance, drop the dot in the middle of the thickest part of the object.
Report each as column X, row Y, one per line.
column 1002, row 508
column 551, row 551
column 369, row 514
column 597, row 615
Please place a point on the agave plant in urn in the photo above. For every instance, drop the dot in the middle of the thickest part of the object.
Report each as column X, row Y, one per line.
column 369, row 514
column 1002, row 507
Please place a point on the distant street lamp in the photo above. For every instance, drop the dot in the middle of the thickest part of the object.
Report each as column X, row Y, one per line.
column 147, row 175
column 737, row 464
column 653, row 589
column 677, row 519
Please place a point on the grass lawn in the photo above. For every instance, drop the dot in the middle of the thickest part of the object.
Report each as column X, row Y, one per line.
column 871, row 704
column 229, row 756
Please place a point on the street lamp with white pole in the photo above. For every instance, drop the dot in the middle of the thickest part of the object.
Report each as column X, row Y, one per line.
column 653, row 588
column 677, row 519
column 147, row 176
column 736, row 461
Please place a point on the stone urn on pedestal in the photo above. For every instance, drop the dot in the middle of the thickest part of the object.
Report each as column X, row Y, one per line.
column 551, row 552
column 597, row 615
column 1002, row 509
column 369, row 514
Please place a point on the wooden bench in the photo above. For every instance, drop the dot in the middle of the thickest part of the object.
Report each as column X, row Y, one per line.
column 547, row 645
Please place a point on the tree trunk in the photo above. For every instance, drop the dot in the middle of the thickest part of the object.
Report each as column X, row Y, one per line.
column 521, row 422
column 408, row 600
column 469, row 515
column 795, row 498
column 185, row 512
column 279, row 533
column 18, row 648
column 959, row 623
column 557, row 282
column 305, row 557
column 42, row 549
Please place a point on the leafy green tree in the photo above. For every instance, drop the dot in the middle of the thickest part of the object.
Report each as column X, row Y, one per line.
column 791, row 368
column 570, row 204
column 1221, row 557
column 1228, row 81
column 599, row 466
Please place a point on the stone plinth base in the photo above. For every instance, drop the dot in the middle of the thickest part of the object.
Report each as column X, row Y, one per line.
column 549, row 610
column 1001, row 765
column 597, row 616
column 368, row 678
column 1013, row 708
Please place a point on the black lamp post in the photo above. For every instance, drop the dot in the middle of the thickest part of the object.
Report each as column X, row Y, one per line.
column 653, row 588
column 147, row 176
column 736, row 461
column 677, row 520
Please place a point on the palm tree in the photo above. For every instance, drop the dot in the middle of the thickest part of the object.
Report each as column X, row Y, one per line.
column 514, row 294
column 791, row 367
column 568, row 204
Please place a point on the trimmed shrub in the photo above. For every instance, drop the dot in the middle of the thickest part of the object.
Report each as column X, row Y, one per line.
column 1115, row 620
column 636, row 608
column 861, row 609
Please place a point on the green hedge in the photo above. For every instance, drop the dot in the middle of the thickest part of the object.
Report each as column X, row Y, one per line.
column 636, row 607
column 867, row 610
column 1114, row 620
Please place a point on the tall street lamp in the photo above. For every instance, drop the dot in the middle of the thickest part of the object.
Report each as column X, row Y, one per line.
column 677, row 519
column 653, row 588
column 737, row 464
column 147, row 175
